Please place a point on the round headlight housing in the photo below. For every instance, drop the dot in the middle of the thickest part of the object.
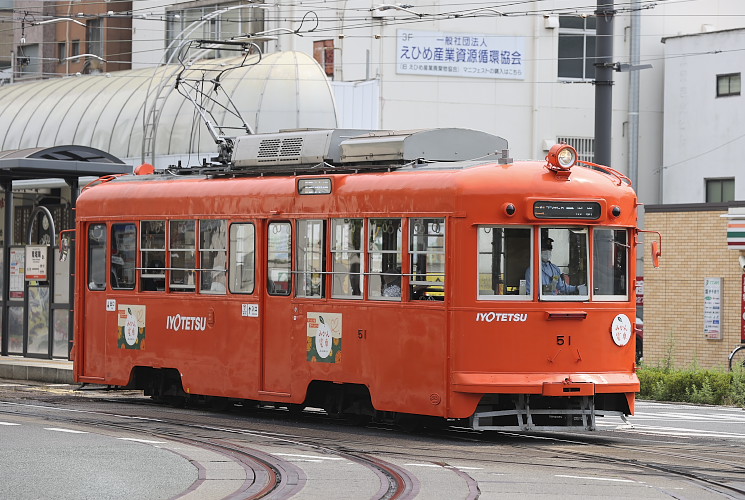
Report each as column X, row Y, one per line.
column 561, row 157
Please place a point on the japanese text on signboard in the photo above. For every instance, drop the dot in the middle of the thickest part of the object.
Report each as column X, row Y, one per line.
column 460, row 54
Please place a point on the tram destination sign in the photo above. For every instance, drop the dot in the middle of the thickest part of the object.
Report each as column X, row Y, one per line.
column 566, row 210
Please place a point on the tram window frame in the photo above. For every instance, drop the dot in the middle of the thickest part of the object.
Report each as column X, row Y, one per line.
column 424, row 254
column 97, row 256
column 310, row 259
column 123, row 255
column 279, row 258
column 152, row 252
column 385, row 263
column 602, row 261
column 242, row 252
column 347, row 237
column 505, row 260
column 570, row 261
column 213, row 255
column 188, row 245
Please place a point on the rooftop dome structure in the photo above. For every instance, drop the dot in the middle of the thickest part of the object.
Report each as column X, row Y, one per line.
column 137, row 115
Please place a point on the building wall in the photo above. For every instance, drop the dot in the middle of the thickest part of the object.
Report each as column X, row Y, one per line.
column 703, row 133
column 694, row 247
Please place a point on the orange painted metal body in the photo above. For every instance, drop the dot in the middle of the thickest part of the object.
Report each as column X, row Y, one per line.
column 423, row 357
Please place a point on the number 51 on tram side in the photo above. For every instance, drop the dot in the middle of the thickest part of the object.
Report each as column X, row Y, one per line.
column 382, row 275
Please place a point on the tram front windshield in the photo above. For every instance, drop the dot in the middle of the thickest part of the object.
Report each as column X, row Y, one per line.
column 574, row 263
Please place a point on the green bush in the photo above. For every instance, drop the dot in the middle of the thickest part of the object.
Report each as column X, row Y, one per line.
column 693, row 386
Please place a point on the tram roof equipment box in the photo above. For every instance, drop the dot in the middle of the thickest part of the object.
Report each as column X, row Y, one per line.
column 344, row 146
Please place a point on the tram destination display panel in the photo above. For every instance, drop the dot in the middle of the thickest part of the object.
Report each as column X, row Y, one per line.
column 566, row 210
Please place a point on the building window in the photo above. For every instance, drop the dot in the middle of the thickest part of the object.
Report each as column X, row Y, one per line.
column 585, row 146
column 576, row 47
column 720, row 190
column 323, row 53
column 728, row 84
column 61, row 51
column 75, row 48
column 94, row 34
column 231, row 24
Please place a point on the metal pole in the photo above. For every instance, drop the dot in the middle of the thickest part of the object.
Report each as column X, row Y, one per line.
column 634, row 94
column 603, row 81
column 7, row 241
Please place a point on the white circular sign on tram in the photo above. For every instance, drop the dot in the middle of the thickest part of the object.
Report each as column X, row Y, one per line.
column 621, row 330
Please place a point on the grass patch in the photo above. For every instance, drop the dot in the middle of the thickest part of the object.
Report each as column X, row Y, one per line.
column 713, row 387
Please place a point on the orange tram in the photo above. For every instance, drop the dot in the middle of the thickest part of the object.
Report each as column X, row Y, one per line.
column 382, row 275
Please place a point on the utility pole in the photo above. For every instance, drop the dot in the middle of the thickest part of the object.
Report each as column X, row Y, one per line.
column 603, row 81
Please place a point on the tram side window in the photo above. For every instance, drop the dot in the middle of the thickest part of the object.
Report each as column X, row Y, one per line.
column 504, row 255
column 242, row 258
column 213, row 250
column 311, row 258
column 384, row 248
column 427, row 251
column 564, row 272
column 346, row 249
column 123, row 256
column 279, row 258
column 610, row 262
column 97, row 257
column 153, row 255
column 183, row 255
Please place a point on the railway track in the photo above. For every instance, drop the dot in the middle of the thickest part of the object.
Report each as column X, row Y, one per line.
column 277, row 451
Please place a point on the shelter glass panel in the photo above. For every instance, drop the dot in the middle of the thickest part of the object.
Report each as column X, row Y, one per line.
column 504, row 255
column 346, row 249
column 563, row 271
column 97, row 257
column 60, row 324
column 242, row 258
column 183, row 254
column 311, row 258
column 427, row 252
column 61, row 279
column 123, row 256
column 610, row 264
column 279, row 258
column 38, row 320
column 213, row 247
column 384, row 250
column 153, row 255
column 15, row 329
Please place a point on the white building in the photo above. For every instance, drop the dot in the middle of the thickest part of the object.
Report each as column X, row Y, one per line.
column 362, row 48
column 704, row 118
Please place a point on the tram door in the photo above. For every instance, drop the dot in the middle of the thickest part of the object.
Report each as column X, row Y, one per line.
column 278, row 314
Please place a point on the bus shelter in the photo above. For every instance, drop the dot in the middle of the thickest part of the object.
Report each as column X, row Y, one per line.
column 37, row 278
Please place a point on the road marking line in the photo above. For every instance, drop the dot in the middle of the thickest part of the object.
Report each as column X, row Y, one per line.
column 444, row 466
column 56, row 429
column 146, row 441
column 312, row 457
column 598, row 478
column 8, row 423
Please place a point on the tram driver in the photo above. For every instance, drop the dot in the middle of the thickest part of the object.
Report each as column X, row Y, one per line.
column 554, row 282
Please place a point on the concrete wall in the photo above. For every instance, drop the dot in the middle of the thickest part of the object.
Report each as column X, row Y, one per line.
column 694, row 246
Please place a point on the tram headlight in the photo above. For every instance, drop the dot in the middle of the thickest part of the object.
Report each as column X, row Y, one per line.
column 561, row 157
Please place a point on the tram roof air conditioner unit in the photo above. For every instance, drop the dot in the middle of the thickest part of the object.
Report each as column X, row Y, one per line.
column 292, row 147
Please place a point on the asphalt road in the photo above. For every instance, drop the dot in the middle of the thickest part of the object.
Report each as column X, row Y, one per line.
column 59, row 443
